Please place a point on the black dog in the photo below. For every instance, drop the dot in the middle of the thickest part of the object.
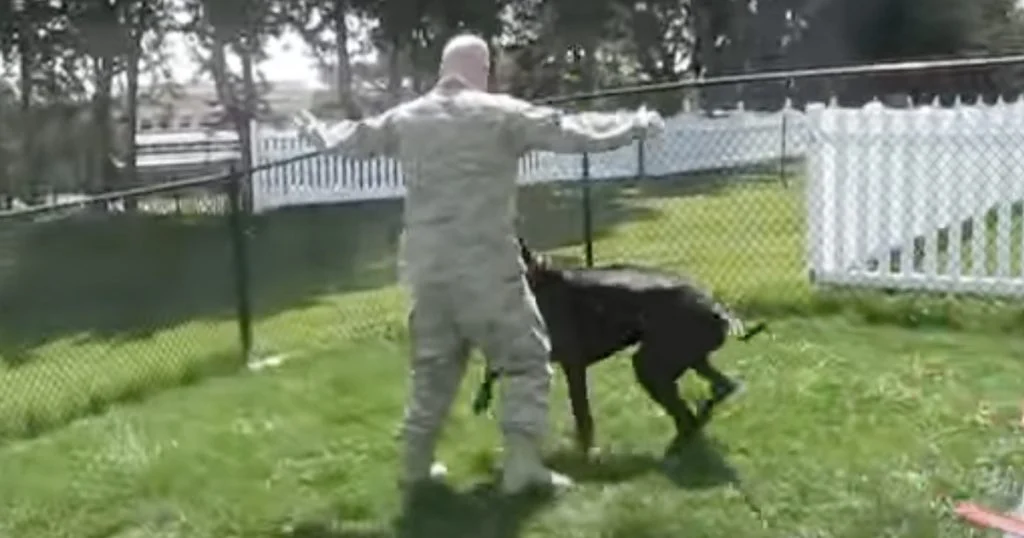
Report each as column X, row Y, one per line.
column 592, row 313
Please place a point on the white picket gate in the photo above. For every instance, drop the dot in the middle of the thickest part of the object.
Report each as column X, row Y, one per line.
column 690, row 143
column 881, row 180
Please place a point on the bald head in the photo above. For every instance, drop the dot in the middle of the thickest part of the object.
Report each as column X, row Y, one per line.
column 466, row 57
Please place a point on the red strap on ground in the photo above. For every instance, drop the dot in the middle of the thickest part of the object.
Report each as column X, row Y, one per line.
column 983, row 517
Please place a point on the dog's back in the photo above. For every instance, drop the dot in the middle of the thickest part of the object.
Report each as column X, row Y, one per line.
column 637, row 289
column 620, row 305
column 682, row 293
column 624, row 277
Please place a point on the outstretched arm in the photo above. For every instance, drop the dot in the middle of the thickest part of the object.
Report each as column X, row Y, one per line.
column 367, row 138
column 549, row 129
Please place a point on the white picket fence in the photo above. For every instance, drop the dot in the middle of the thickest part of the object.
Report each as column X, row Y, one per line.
column 690, row 143
column 881, row 180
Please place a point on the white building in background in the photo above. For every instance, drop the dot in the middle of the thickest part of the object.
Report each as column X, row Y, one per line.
column 195, row 108
column 185, row 136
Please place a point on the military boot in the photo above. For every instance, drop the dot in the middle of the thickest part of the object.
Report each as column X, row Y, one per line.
column 523, row 468
column 418, row 465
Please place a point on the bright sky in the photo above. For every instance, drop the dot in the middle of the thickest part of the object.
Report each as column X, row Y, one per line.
column 289, row 59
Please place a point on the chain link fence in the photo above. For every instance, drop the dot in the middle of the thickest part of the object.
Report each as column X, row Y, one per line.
column 903, row 208
column 104, row 304
column 324, row 273
column 779, row 208
column 718, row 197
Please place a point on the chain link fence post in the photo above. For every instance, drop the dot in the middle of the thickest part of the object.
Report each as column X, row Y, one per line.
column 782, row 147
column 237, row 229
column 641, row 168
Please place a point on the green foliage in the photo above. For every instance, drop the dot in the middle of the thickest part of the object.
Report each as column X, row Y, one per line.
column 897, row 29
column 77, row 48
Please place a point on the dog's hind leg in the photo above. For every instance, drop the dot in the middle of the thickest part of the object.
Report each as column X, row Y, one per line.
column 722, row 386
column 660, row 385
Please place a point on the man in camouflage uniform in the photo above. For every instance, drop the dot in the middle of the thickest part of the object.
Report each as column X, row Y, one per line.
column 459, row 148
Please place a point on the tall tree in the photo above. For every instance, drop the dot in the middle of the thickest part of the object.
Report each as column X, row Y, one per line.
column 143, row 19
column 236, row 29
column 313, row 20
column 8, row 148
column 37, row 39
column 28, row 59
column 8, row 46
column 338, row 15
column 104, row 40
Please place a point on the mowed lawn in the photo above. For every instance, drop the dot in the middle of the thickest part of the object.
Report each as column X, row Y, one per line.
column 125, row 410
column 844, row 431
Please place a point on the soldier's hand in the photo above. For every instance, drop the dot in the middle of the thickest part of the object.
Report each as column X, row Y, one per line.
column 309, row 127
column 650, row 122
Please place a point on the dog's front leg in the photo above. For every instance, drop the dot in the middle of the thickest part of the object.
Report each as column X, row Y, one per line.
column 576, row 379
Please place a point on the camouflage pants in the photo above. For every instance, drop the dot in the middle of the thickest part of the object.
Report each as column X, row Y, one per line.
column 446, row 319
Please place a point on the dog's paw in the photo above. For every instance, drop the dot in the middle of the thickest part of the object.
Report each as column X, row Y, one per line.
column 707, row 406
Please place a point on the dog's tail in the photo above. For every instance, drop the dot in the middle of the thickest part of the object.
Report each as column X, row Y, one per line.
column 753, row 331
column 738, row 328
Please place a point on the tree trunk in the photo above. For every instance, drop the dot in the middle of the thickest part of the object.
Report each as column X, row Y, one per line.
column 239, row 108
column 588, row 69
column 131, row 171
column 561, row 51
column 415, row 73
column 343, row 60
column 5, row 157
column 247, row 117
column 395, row 71
column 104, row 177
column 24, row 186
column 705, row 51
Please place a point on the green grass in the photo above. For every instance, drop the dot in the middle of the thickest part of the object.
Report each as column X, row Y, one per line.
column 103, row 310
column 847, row 429
column 844, row 431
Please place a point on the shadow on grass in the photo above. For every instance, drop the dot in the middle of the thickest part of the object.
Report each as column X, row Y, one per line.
column 699, row 464
column 483, row 512
column 116, row 277
column 480, row 512
column 552, row 215
column 705, row 183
